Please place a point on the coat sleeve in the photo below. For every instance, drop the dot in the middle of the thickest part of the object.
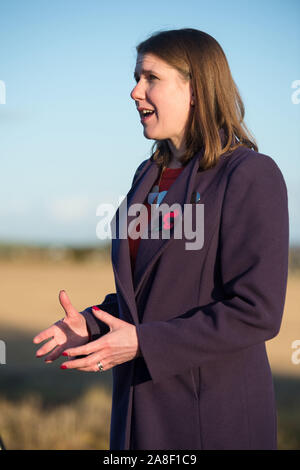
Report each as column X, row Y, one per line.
column 253, row 245
column 96, row 327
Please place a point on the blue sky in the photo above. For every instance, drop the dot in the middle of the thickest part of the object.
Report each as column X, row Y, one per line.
column 70, row 137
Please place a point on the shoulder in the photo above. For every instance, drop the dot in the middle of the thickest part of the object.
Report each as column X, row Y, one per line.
column 139, row 170
column 248, row 166
column 141, row 165
column 255, row 194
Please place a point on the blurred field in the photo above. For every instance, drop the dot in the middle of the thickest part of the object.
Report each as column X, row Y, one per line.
column 44, row 407
column 41, row 407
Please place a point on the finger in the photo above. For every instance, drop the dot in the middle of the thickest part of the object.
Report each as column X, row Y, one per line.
column 75, row 364
column 110, row 320
column 55, row 354
column 45, row 334
column 46, row 348
column 85, row 362
column 95, row 368
column 66, row 304
column 86, row 349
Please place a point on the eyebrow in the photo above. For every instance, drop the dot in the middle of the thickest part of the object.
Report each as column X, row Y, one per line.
column 144, row 72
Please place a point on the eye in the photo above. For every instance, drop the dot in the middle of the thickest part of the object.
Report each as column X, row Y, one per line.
column 152, row 77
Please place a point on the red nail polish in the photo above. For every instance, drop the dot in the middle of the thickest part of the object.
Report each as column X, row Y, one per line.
column 63, row 367
column 64, row 354
column 95, row 307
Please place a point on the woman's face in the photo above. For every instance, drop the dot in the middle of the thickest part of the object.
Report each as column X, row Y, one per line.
column 161, row 89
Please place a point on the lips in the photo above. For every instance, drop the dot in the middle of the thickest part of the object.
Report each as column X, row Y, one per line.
column 146, row 113
column 147, row 117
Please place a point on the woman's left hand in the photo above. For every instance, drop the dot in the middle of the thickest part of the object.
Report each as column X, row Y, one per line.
column 118, row 346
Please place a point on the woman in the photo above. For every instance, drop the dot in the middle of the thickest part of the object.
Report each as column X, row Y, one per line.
column 185, row 331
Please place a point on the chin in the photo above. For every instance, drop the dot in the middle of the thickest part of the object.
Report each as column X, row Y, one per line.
column 151, row 135
column 148, row 135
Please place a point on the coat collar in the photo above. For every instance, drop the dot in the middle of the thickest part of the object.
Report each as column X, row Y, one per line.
column 149, row 249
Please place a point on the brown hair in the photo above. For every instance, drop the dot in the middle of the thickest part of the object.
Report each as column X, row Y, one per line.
column 199, row 58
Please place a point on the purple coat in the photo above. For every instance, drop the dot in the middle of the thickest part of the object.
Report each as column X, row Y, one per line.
column 203, row 316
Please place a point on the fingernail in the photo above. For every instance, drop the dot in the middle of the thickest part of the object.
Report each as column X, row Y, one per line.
column 95, row 307
column 64, row 354
column 63, row 367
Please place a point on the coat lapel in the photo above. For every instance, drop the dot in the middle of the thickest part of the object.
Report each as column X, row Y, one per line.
column 119, row 225
column 150, row 248
column 183, row 191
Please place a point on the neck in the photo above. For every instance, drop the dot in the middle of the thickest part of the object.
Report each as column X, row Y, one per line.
column 177, row 151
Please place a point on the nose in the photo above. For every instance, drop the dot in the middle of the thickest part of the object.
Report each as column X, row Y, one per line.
column 138, row 93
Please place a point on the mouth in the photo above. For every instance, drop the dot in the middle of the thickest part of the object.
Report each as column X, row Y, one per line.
column 146, row 114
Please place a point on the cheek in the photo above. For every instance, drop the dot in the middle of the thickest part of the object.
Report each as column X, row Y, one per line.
column 183, row 101
column 175, row 112
column 176, row 102
column 172, row 104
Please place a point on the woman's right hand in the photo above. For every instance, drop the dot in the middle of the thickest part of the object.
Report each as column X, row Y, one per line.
column 69, row 332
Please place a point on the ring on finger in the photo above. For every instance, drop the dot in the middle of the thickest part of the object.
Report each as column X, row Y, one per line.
column 100, row 366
